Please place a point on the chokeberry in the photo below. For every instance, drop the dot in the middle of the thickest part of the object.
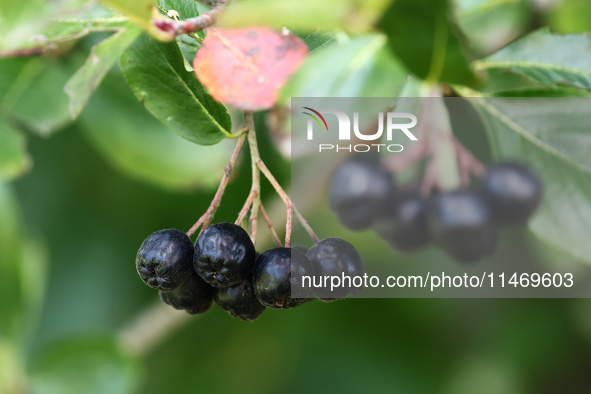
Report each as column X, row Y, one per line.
column 359, row 190
column 335, row 257
column 239, row 301
column 460, row 222
column 165, row 259
column 194, row 296
column 224, row 255
column 405, row 224
column 278, row 272
column 513, row 192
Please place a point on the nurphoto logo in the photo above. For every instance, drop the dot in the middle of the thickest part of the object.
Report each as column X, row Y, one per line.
column 392, row 120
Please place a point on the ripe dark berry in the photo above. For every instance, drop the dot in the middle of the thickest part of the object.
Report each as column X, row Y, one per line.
column 300, row 248
column 358, row 191
column 239, row 301
column 513, row 192
column 278, row 272
column 460, row 222
column 336, row 257
column 194, row 296
column 405, row 224
column 224, row 255
column 165, row 259
column 470, row 253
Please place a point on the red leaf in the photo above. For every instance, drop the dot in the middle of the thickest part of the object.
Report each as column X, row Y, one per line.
column 245, row 68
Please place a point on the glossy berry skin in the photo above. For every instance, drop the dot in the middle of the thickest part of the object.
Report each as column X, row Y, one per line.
column 405, row 225
column 460, row 222
column 165, row 259
column 194, row 296
column 336, row 257
column 359, row 190
column 224, row 255
column 239, row 301
column 276, row 272
column 513, row 192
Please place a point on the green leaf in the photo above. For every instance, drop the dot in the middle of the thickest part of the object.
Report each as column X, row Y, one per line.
column 36, row 99
column 552, row 136
column 318, row 40
column 84, row 365
column 543, row 91
column 305, row 15
column 22, row 21
column 102, row 57
column 423, row 35
column 365, row 68
column 547, row 58
column 186, row 8
column 14, row 159
column 139, row 12
column 491, row 24
column 137, row 144
column 570, row 16
column 157, row 75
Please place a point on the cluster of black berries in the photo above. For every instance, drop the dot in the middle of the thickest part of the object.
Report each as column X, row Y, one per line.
column 463, row 222
column 224, row 267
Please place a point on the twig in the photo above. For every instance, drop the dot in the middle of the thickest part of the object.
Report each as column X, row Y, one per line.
column 286, row 199
column 256, row 175
column 271, row 229
column 245, row 208
column 191, row 25
column 215, row 203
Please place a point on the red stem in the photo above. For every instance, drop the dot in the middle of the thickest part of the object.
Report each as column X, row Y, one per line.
column 286, row 199
column 270, row 225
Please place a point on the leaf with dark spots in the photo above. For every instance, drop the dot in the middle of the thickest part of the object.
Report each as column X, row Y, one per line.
column 245, row 68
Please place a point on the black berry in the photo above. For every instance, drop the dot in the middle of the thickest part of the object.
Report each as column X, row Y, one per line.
column 405, row 224
column 460, row 222
column 513, row 192
column 165, row 259
column 194, row 296
column 277, row 273
column 239, row 301
column 336, row 257
column 224, row 255
column 359, row 190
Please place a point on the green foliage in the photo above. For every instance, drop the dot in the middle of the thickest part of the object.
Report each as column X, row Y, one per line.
column 424, row 37
column 139, row 12
column 547, row 58
column 102, row 57
column 365, row 68
column 306, row 15
column 36, row 100
column 133, row 141
column 157, row 75
column 14, row 159
column 84, row 365
column 552, row 136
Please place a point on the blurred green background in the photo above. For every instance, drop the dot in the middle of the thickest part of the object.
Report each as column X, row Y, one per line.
column 91, row 190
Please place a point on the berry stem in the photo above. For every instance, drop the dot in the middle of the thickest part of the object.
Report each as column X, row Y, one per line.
column 286, row 200
column 207, row 217
column 270, row 225
column 256, row 174
column 245, row 208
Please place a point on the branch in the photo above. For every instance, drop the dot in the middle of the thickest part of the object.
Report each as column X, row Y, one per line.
column 191, row 25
